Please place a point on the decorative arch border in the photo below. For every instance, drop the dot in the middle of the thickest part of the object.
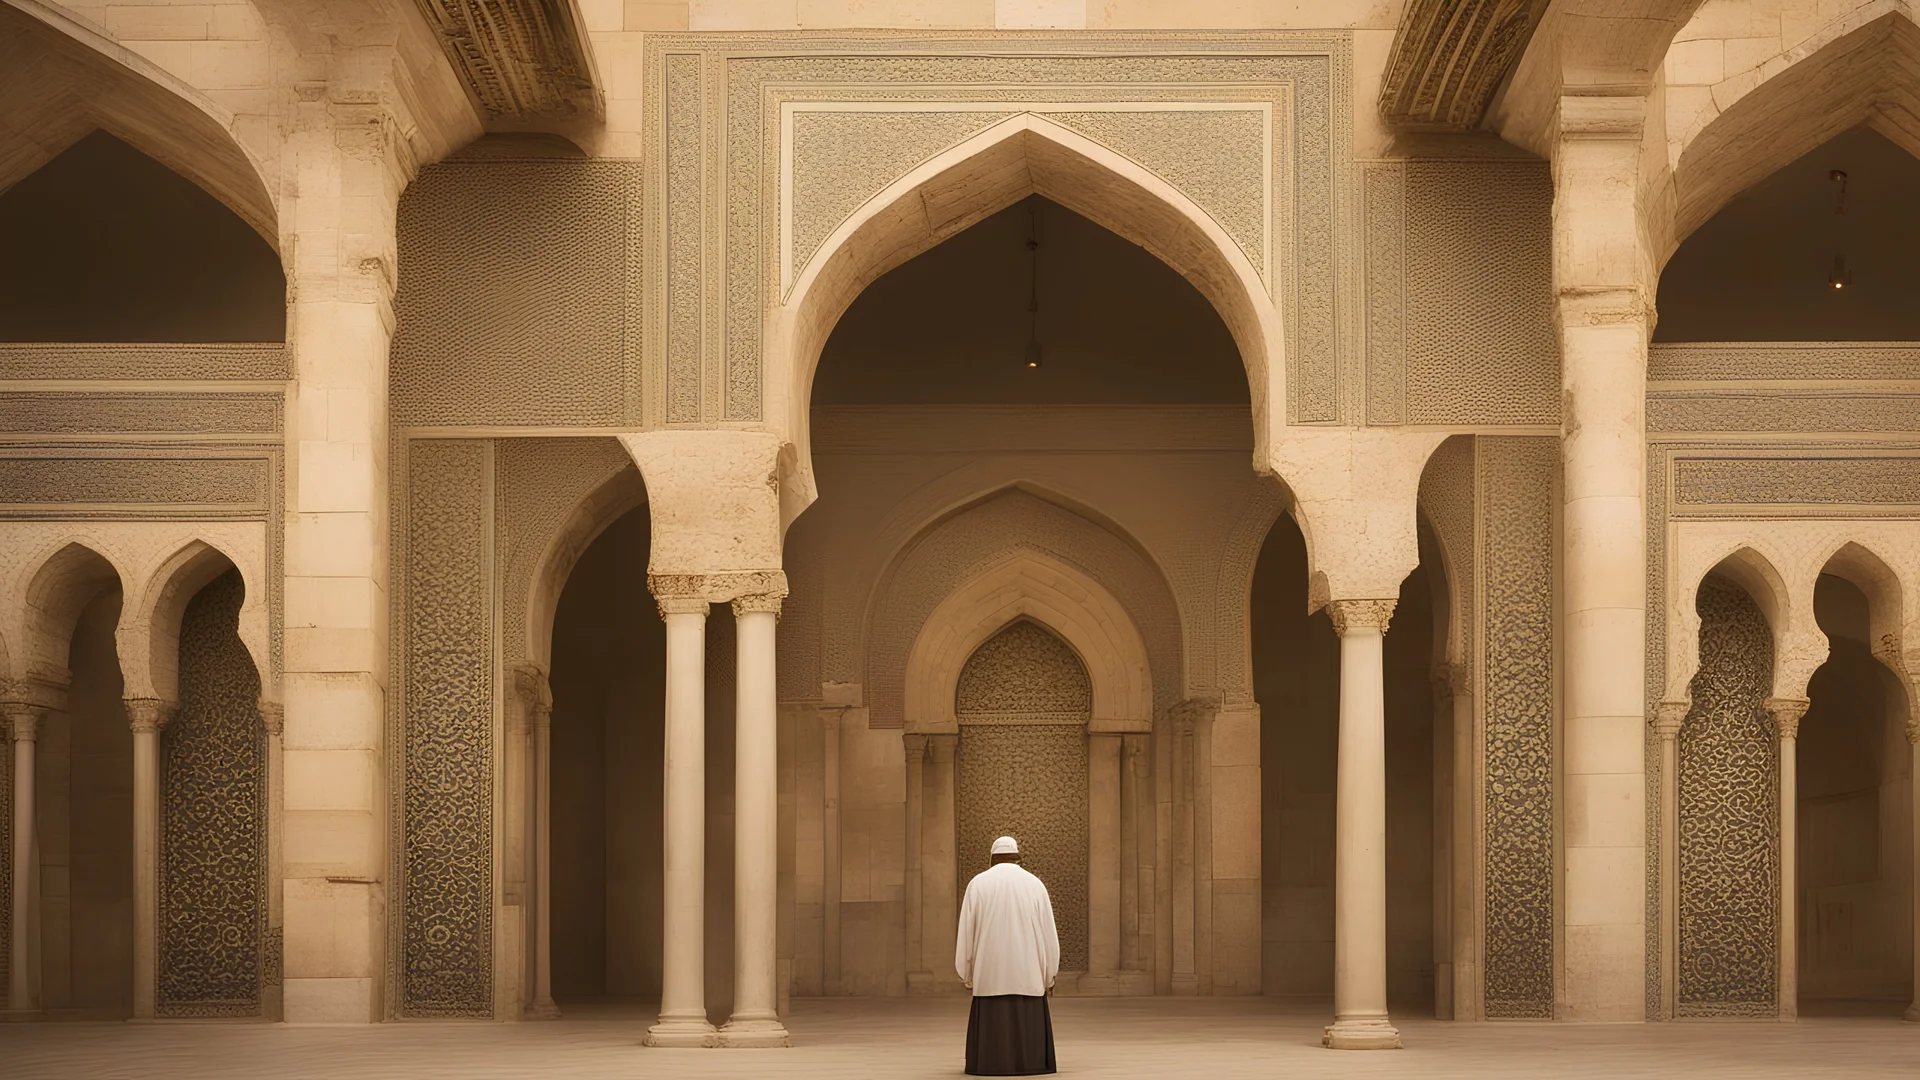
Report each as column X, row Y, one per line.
column 1062, row 598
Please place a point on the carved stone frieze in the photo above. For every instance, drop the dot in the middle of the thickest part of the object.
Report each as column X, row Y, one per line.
column 1813, row 480
column 520, row 59
column 718, row 588
column 45, row 483
column 64, row 413
column 146, row 360
column 1783, row 411
column 1776, row 361
column 1449, row 58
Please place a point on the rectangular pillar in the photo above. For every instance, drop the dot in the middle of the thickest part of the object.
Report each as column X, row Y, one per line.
column 1103, row 860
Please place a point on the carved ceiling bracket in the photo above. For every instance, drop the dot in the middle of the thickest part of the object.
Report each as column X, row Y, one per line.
column 1450, row 57
column 520, row 59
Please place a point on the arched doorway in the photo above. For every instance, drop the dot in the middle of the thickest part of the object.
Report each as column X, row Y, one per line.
column 1854, row 862
column 1023, row 704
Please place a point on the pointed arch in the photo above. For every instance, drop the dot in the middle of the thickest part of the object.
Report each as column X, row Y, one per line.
column 150, row 628
column 606, row 503
column 1886, row 600
column 1063, row 599
column 1855, row 70
column 1759, row 577
column 1020, row 156
column 60, row 80
column 65, row 581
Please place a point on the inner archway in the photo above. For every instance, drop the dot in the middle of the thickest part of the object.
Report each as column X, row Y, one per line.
column 1854, row 822
column 1023, row 703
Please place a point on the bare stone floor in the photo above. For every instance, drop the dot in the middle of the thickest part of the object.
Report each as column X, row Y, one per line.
column 851, row 1038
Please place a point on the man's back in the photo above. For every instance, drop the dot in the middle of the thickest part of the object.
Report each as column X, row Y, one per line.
column 1007, row 942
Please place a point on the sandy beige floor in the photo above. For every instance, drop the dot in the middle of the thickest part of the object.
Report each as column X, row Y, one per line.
column 1219, row 1039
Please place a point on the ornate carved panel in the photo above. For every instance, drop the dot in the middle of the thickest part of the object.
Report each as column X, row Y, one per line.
column 1515, row 479
column 815, row 126
column 518, row 58
column 1385, row 218
column 112, row 413
column 446, row 910
column 175, row 486
column 1729, row 858
column 1024, row 701
column 1773, row 361
column 1823, row 481
column 519, row 300
column 1790, row 411
column 145, row 360
column 213, row 819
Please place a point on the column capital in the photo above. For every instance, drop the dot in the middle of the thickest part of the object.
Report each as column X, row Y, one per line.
column 915, row 747
column 941, row 747
column 22, row 720
column 764, row 602
column 1786, row 714
column 1453, row 680
column 147, row 715
column 273, row 717
column 1667, row 718
column 1354, row 615
column 684, row 590
column 530, row 682
column 1609, row 116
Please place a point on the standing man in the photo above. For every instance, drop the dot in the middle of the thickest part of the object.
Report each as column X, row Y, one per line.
column 1008, row 953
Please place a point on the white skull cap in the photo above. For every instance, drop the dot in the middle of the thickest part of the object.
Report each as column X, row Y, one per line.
column 1006, row 845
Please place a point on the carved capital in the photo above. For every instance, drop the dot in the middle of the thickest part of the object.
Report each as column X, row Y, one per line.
column 717, row 588
column 1452, row 680
column 1667, row 718
column 1618, row 117
column 768, row 602
column 1355, row 615
column 1786, row 714
column 535, row 692
column 1186, row 714
column 941, row 748
column 916, row 748
column 147, row 715
column 22, row 720
column 273, row 717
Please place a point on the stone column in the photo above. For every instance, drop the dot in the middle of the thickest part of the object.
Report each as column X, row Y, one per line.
column 1443, row 843
column 919, row 976
column 756, row 832
column 939, row 869
column 1103, row 861
column 273, row 723
column 1786, row 714
column 1360, row 833
column 1667, row 720
column 1605, row 299
column 147, row 716
column 1131, row 747
column 831, row 720
column 1913, row 797
column 1185, row 978
column 683, row 994
column 541, row 725
column 23, row 997
column 1464, row 876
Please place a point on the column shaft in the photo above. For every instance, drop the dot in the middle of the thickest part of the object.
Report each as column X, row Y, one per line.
column 939, row 900
column 756, row 834
column 1443, row 844
column 147, row 716
column 1913, row 798
column 1360, row 834
column 1604, row 299
column 919, row 976
column 22, row 987
column 1667, row 721
column 1465, row 878
column 543, row 1006
column 1786, row 724
column 683, row 1005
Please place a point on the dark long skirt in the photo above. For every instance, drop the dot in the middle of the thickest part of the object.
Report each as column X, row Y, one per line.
column 1009, row 1035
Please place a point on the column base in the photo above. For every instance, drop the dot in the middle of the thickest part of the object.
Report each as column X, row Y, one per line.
column 1358, row 1033
column 755, row 1034
column 19, row 1016
column 678, row 1033
column 541, row 1010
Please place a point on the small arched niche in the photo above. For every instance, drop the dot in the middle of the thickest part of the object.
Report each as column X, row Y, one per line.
column 1023, row 701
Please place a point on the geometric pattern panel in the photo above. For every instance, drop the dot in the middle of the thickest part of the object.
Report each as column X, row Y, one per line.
column 1729, row 816
column 1023, row 702
column 213, row 819
column 1516, row 491
column 446, row 934
column 518, row 300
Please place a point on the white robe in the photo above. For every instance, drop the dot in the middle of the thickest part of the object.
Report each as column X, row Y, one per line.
column 1007, row 942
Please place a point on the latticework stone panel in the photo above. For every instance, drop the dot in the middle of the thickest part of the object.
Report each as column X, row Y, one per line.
column 1516, row 486
column 1729, row 887
column 518, row 299
column 1024, row 701
column 446, row 934
column 213, row 819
